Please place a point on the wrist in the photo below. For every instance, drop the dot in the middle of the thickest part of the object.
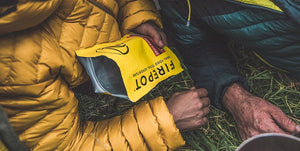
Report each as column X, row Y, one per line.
column 171, row 111
column 234, row 97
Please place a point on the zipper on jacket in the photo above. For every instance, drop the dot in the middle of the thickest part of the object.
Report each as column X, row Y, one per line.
column 190, row 13
column 156, row 2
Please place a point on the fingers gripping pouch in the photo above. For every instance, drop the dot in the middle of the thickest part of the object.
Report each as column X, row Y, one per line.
column 130, row 67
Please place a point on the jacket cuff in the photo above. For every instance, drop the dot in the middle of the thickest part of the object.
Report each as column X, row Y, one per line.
column 157, row 126
column 146, row 126
column 169, row 131
column 222, row 83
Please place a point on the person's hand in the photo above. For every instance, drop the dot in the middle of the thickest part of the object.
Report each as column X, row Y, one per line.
column 254, row 115
column 189, row 108
column 150, row 29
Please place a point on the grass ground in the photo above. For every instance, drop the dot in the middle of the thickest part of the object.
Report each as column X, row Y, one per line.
column 220, row 133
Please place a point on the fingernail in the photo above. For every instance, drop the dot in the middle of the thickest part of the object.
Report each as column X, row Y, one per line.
column 298, row 128
column 297, row 131
column 161, row 44
column 192, row 88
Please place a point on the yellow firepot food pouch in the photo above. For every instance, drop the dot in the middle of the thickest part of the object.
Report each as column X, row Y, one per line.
column 130, row 67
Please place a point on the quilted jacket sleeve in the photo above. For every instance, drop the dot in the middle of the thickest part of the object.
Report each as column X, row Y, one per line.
column 146, row 126
column 209, row 66
column 19, row 20
column 35, row 87
column 134, row 12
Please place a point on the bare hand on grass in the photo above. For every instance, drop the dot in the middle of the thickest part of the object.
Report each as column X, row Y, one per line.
column 189, row 108
column 254, row 115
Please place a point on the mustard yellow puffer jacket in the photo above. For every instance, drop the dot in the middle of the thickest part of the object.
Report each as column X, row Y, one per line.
column 38, row 68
